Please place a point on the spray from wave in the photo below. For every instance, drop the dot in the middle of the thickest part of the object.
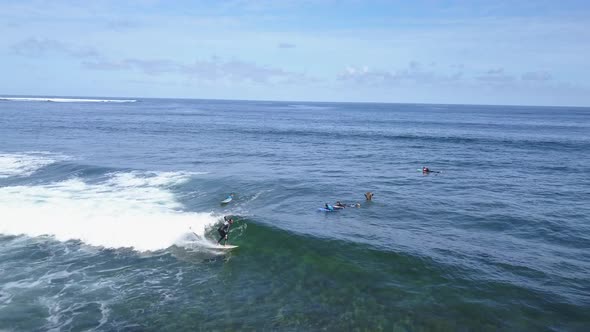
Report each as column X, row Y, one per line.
column 129, row 209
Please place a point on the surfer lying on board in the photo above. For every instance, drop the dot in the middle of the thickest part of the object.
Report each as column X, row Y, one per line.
column 329, row 207
column 224, row 229
column 339, row 205
column 426, row 170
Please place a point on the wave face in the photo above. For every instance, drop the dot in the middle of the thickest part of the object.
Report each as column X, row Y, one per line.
column 109, row 215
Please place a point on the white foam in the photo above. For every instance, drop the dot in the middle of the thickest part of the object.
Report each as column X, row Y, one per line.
column 123, row 211
column 5, row 298
column 105, row 312
column 69, row 100
column 24, row 164
column 146, row 179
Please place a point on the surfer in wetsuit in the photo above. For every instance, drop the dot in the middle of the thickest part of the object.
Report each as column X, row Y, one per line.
column 339, row 205
column 426, row 170
column 329, row 207
column 224, row 229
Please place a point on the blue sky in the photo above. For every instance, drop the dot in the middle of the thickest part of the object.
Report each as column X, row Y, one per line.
column 424, row 51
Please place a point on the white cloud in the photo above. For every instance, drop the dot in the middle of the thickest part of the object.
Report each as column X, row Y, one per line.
column 33, row 47
column 495, row 75
column 214, row 69
column 286, row 45
column 414, row 72
column 536, row 76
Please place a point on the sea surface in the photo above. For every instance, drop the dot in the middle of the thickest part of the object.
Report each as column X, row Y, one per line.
column 109, row 213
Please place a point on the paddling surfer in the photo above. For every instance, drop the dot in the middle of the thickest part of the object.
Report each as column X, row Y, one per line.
column 426, row 170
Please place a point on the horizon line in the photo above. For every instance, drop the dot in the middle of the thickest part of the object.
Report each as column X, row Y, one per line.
column 283, row 101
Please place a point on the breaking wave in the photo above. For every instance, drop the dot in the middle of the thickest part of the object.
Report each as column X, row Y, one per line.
column 127, row 210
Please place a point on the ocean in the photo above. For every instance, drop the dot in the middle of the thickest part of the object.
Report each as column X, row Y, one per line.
column 109, row 213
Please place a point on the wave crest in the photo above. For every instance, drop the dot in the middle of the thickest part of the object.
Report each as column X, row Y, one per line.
column 25, row 164
column 112, row 214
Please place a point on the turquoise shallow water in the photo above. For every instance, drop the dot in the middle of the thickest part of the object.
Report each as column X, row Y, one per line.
column 109, row 210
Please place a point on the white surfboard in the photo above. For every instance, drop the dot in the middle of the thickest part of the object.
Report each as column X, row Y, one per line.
column 222, row 247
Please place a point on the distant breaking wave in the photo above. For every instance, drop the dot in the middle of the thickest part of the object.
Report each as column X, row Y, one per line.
column 70, row 100
column 309, row 107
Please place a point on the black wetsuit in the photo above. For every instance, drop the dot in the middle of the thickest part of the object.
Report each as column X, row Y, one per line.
column 223, row 231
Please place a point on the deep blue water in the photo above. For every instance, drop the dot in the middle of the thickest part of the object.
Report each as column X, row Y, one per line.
column 96, row 201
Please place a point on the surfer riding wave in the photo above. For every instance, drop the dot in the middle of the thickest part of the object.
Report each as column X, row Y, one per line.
column 224, row 230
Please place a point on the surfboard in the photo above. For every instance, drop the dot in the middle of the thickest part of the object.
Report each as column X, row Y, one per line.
column 420, row 170
column 227, row 200
column 327, row 210
column 219, row 246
